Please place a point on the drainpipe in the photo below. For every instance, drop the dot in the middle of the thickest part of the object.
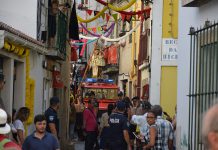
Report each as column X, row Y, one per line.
column 2, row 39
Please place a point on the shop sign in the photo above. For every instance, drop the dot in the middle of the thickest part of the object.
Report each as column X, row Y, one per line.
column 169, row 49
column 57, row 83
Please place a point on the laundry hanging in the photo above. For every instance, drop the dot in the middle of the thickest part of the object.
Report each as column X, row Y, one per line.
column 73, row 25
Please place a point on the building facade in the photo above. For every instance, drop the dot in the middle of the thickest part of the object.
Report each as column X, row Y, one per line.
column 164, row 54
column 197, row 69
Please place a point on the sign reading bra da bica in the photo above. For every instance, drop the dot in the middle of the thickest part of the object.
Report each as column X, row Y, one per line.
column 169, row 49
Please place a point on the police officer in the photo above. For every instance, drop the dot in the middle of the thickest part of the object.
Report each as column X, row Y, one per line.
column 118, row 130
column 51, row 116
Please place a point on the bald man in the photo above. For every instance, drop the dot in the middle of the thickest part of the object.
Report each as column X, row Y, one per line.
column 210, row 128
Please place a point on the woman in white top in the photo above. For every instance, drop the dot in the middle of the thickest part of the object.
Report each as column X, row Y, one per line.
column 21, row 117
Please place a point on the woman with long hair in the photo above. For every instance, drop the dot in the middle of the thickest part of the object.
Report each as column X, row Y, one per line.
column 21, row 116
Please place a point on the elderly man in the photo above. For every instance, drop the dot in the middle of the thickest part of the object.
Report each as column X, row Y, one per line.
column 210, row 128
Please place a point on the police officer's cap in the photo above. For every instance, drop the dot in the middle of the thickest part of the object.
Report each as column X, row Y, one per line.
column 54, row 100
column 121, row 105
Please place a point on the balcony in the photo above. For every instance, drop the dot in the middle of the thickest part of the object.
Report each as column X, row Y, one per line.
column 57, row 36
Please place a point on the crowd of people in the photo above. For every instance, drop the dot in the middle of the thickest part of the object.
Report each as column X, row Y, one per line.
column 127, row 124
column 45, row 136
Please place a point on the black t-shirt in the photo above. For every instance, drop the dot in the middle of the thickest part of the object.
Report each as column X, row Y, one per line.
column 118, row 123
column 51, row 117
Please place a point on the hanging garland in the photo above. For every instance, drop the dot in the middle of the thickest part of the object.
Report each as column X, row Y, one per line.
column 104, row 9
column 87, row 37
column 147, row 10
column 93, row 18
column 123, row 37
column 81, row 43
column 111, row 40
column 110, row 30
column 122, row 8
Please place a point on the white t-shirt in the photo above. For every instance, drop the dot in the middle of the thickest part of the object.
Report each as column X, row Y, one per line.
column 18, row 124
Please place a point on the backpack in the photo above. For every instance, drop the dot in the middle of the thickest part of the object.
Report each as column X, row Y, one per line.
column 3, row 142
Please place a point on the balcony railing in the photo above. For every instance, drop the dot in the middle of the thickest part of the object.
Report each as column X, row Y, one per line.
column 57, row 44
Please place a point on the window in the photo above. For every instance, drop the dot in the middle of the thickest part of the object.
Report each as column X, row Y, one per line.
column 130, row 36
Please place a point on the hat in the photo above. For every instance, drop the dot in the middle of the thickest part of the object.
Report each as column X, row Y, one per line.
column 4, row 127
column 146, row 105
column 54, row 100
column 120, row 93
column 121, row 105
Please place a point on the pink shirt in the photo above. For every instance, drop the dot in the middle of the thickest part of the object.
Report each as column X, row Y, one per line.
column 90, row 120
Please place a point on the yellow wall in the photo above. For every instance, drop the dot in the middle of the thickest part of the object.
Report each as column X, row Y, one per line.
column 168, row 86
column 170, row 19
column 135, row 40
column 168, row 92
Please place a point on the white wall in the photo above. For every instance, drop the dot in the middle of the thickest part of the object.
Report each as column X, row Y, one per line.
column 20, row 14
column 188, row 17
column 37, row 74
column 156, row 52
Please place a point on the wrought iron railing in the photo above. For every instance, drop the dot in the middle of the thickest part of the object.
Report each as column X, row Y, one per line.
column 61, row 33
column 203, row 88
column 57, row 31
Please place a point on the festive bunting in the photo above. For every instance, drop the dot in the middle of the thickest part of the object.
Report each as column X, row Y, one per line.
column 80, row 44
column 84, row 46
column 123, row 16
column 117, row 8
column 103, row 15
column 94, row 30
column 128, row 18
column 93, row 18
column 99, row 29
column 139, row 16
column 96, row 12
column 124, row 12
column 115, row 17
column 146, row 10
column 89, row 11
column 109, row 30
column 112, row 40
column 107, row 17
column 123, row 37
column 134, row 17
column 105, row 8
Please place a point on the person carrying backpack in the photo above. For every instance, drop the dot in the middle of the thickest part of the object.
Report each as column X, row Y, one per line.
column 5, row 143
